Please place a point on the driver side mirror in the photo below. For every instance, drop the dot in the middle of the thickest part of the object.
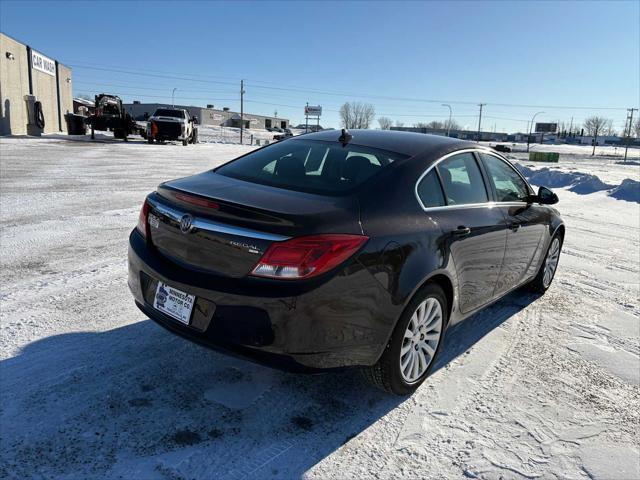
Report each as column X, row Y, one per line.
column 546, row 196
column 194, row 120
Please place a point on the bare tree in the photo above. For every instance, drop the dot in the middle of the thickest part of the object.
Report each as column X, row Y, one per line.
column 357, row 114
column 385, row 123
column 635, row 130
column 595, row 126
column 608, row 128
column 399, row 123
column 450, row 125
column 420, row 125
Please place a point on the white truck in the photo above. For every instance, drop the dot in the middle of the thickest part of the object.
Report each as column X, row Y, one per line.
column 172, row 124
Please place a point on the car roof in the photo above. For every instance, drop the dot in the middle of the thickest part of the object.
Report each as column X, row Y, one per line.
column 406, row 143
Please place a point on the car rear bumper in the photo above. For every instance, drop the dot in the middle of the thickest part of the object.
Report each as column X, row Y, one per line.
column 335, row 324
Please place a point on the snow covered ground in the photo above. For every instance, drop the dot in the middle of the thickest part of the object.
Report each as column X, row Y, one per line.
column 532, row 387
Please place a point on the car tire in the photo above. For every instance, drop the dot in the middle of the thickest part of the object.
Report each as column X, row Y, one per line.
column 388, row 374
column 149, row 139
column 542, row 281
column 185, row 141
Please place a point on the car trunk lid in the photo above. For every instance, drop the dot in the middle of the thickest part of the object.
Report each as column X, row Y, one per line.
column 224, row 225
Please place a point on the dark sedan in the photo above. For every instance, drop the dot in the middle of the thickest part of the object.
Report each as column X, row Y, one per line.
column 339, row 249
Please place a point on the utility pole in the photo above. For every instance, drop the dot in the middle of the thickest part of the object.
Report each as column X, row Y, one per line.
column 626, row 147
column 241, row 109
column 173, row 92
column 449, row 124
column 480, row 119
column 306, row 115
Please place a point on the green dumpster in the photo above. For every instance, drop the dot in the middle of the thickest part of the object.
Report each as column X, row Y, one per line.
column 551, row 157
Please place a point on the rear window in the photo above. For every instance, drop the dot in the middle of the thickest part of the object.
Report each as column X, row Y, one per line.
column 165, row 112
column 312, row 166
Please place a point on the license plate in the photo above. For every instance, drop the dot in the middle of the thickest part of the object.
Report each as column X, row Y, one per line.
column 173, row 302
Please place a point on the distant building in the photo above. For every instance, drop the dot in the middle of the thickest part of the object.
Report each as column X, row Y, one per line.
column 460, row 134
column 210, row 116
column 82, row 106
column 27, row 77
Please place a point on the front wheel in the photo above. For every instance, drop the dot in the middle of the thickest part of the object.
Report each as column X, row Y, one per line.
column 414, row 344
column 185, row 141
column 543, row 279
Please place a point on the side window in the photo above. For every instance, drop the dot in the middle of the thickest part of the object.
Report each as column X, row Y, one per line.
column 462, row 180
column 509, row 185
column 430, row 191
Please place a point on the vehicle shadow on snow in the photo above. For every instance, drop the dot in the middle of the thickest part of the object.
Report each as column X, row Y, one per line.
column 139, row 402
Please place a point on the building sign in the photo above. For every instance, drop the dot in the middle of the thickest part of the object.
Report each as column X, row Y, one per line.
column 546, row 127
column 43, row 64
column 313, row 110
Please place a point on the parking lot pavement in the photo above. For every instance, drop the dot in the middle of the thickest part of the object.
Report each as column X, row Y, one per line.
column 91, row 388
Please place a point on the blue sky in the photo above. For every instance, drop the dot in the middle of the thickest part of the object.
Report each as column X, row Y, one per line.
column 404, row 58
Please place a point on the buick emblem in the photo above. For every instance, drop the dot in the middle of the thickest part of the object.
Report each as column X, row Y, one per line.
column 186, row 223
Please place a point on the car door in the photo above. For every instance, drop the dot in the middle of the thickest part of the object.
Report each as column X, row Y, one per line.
column 526, row 222
column 455, row 195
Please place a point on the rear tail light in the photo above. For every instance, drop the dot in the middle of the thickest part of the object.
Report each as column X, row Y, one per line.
column 306, row 257
column 143, row 221
column 154, row 129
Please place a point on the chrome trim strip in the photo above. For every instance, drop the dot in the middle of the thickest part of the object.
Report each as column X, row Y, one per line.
column 211, row 226
column 466, row 205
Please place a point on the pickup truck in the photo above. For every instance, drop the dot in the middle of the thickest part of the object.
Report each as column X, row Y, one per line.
column 172, row 124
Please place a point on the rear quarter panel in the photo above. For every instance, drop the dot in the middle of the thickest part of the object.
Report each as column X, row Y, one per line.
column 406, row 246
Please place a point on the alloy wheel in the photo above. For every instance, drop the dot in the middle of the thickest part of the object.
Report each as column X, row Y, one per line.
column 551, row 262
column 421, row 340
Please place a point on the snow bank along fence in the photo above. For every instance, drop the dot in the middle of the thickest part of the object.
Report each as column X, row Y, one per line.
column 549, row 157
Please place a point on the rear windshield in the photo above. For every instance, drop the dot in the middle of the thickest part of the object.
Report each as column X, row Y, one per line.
column 165, row 112
column 312, row 166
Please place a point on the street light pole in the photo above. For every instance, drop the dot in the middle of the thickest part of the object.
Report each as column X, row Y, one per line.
column 530, row 127
column 173, row 103
column 449, row 124
column 480, row 120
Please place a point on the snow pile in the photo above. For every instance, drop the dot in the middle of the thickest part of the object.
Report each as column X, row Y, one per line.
column 579, row 182
column 628, row 190
column 588, row 184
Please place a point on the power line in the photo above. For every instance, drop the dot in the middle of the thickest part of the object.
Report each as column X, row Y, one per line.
column 149, row 88
column 343, row 94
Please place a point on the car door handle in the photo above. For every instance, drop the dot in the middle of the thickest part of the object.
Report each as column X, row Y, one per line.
column 514, row 227
column 461, row 231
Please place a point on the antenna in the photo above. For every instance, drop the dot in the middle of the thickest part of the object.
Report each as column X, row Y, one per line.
column 345, row 137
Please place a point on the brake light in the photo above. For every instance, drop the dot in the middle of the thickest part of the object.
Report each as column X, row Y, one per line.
column 154, row 129
column 196, row 201
column 143, row 221
column 306, row 257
